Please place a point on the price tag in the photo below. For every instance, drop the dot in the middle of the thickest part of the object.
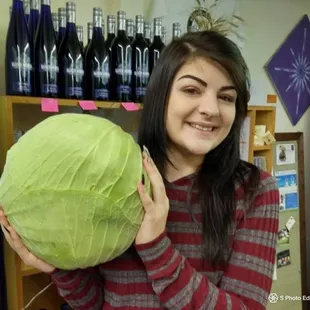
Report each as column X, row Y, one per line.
column 88, row 105
column 49, row 105
column 130, row 106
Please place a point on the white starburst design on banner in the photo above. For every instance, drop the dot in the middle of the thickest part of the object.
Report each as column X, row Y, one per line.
column 299, row 72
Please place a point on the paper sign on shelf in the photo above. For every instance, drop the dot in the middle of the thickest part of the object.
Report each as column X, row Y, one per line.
column 49, row 105
column 290, row 223
column 130, row 106
column 88, row 105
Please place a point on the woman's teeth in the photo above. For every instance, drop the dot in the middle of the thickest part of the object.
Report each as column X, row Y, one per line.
column 203, row 128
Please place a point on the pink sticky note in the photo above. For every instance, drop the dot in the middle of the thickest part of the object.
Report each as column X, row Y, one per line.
column 49, row 105
column 130, row 106
column 87, row 105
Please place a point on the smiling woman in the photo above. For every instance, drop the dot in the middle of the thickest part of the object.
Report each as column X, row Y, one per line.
column 209, row 234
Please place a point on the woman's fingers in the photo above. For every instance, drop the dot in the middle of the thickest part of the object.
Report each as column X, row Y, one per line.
column 158, row 187
column 3, row 219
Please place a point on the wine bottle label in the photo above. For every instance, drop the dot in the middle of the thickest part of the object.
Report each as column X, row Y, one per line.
column 141, row 77
column 22, row 70
column 75, row 74
column 101, row 82
column 49, row 79
column 124, row 74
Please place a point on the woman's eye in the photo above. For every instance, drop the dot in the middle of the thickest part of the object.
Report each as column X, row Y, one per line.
column 227, row 98
column 191, row 91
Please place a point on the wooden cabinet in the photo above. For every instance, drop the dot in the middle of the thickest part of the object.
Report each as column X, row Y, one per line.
column 22, row 113
column 262, row 115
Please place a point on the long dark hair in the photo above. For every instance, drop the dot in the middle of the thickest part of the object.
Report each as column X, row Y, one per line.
column 222, row 169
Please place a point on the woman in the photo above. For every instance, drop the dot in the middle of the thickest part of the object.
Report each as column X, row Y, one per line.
column 208, row 237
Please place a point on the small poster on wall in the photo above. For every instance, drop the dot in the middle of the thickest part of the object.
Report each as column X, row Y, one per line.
column 285, row 154
column 283, row 258
column 287, row 183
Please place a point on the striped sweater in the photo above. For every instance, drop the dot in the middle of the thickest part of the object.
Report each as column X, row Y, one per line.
column 170, row 273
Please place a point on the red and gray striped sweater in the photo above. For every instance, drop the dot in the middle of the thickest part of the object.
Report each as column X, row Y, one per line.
column 169, row 272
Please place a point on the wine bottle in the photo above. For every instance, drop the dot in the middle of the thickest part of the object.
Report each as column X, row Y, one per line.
column 163, row 34
column 27, row 9
column 90, row 27
column 46, row 58
column 79, row 30
column 62, row 21
column 176, row 30
column 97, row 63
column 157, row 45
column 147, row 32
column 33, row 19
column 71, row 63
column 130, row 29
column 140, row 62
column 55, row 19
column 18, row 54
column 121, row 62
column 110, row 31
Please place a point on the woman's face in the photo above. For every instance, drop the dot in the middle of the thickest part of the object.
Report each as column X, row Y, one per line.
column 201, row 108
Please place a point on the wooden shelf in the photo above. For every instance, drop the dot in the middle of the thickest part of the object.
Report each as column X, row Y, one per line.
column 64, row 102
column 262, row 148
column 28, row 270
column 262, row 115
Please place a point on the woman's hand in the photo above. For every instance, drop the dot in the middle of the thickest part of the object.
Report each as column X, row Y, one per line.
column 156, row 209
column 18, row 246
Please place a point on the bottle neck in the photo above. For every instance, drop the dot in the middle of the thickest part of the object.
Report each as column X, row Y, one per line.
column 157, row 30
column 147, row 33
column 62, row 21
column 71, row 17
column 111, row 28
column 26, row 5
column 121, row 25
column 139, row 28
column 34, row 5
column 97, row 20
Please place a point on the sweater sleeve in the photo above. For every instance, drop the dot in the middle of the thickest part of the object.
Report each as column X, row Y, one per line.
column 247, row 280
column 81, row 289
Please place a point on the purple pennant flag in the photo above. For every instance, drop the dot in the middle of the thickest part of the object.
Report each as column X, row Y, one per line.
column 289, row 70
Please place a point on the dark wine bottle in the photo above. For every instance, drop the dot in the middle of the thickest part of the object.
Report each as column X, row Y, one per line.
column 80, row 34
column 33, row 19
column 157, row 45
column 121, row 62
column 97, row 63
column 62, row 21
column 90, row 27
column 140, row 62
column 130, row 29
column 176, row 30
column 55, row 19
column 71, row 63
column 147, row 33
column 110, row 31
column 27, row 9
column 18, row 54
column 46, row 58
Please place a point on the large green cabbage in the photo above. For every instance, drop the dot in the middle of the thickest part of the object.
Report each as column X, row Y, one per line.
column 69, row 188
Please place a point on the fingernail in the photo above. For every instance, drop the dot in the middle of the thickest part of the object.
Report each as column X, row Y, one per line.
column 3, row 227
